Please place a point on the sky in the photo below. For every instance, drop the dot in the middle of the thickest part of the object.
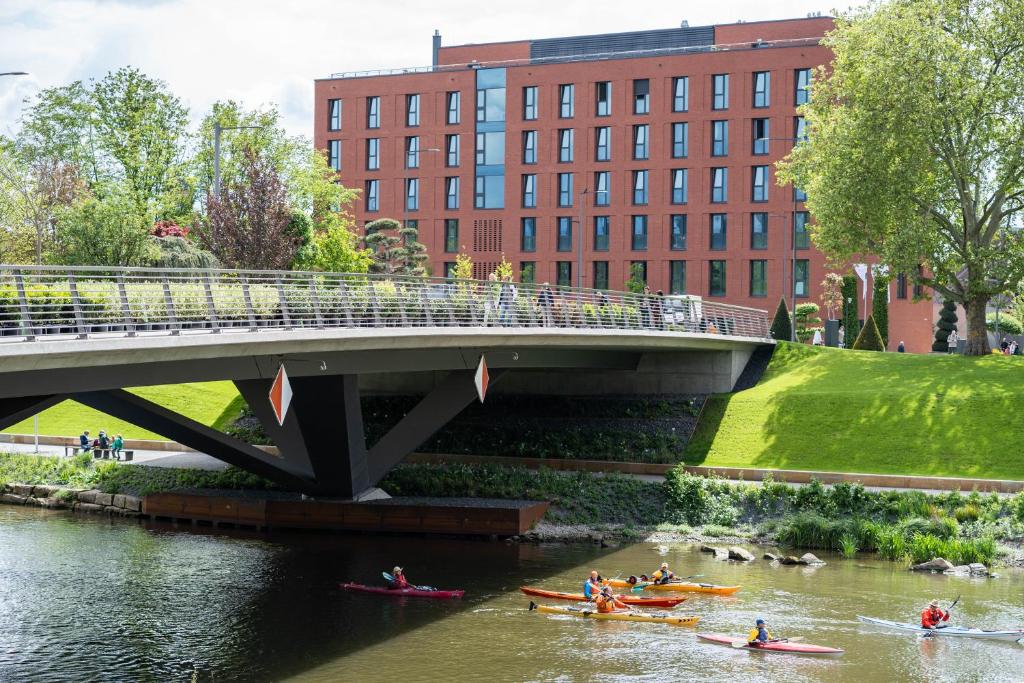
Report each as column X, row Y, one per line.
column 264, row 52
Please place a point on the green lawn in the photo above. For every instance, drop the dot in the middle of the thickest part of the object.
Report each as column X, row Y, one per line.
column 860, row 411
column 214, row 404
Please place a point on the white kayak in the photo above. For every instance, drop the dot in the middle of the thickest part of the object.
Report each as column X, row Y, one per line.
column 953, row 631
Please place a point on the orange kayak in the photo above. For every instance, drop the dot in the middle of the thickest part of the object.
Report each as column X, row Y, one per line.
column 634, row 600
column 677, row 586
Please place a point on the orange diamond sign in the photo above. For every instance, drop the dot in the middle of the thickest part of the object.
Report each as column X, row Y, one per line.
column 481, row 379
column 280, row 395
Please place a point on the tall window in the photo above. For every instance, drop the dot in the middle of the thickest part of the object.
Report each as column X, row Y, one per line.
column 801, row 273
column 451, row 235
column 333, row 114
column 801, row 235
column 372, row 154
column 453, row 107
column 762, row 86
column 490, row 96
column 761, row 135
column 373, row 112
column 799, row 195
column 563, row 273
column 565, row 189
column 372, row 195
column 600, row 275
column 602, row 188
column 803, row 86
column 679, row 185
column 677, row 277
column 641, row 96
column 680, row 133
column 451, row 148
column 760, row 184
column 638, row 240
column 412, row 110
column 677, row 239
column 718, row 232
column 759, row 230
column 490, row 149
column 489, row 192
column 716, row 278
column 528, row 235
column 529, row 191
column 639, row 188
column 901, row 286
column 681, row 93
column 759, row 278
column 602, row 228
column 604, row 98
column 528, row 272
column 603, row 144
column 334, row 154
column 564, row 224
column 719, row 138
column 800, row 128
column 720, row 91
column 451, row 194
column 566, row 101
column 412, row 194
column 449, row 269
column 412, row 151
column 529, row 146
column 565, row 140
column 530, row 103
column 719, row 185
column 641, row 147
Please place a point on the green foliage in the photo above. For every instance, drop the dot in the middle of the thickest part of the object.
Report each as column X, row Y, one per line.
column 1008, row 324
column 698, row 500
column 851, row 323
column 946, row 325
column 395, row 249
column 636, row 282
column 967, row 513
column 143, row 481
column 107, row 231
column 848, row 546
column 463, row 266
column 782, row 325
column 336, row 250
column 869, row 339
column 924, row 547
column 21, row 468
column 880, row 307
column 178, row 252
column 807, row 321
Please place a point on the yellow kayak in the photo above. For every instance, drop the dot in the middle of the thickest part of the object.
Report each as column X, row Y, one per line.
column 656, row 618
column 677, row 586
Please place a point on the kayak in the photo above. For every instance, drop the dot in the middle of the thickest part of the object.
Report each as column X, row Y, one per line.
column 406, row 592
column 663, row 618
column 635, row 600
column 960, row 631
column 781, row 646
column 677, row 586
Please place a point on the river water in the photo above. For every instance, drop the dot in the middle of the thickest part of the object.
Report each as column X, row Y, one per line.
column 89, row 599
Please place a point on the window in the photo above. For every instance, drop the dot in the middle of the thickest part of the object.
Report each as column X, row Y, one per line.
column 719, row 138
column 372, row 195
column 451, row 193
column 801, row 235
column 761, row 135
column 801, row 275
column 677, row 277
column 901, row 286
column 680, row 133
column 565, row 189
column 803, row 86
column 451, row 148
column 679, row 185
column 412, row 110
column 529, row 146
column 799, row 195
column 529, row 191
column 640, row 269
column 716, row 278
column 373, row 112
column 453, row 107
column 334, row 154
column 451, row 235
column 720, row 91
column 600, row 275
column 333, row 114
column 719, row 185
column 760, row 183
column 490, row 149
column 564, row 242
column 677, row 238
column 530, row 103
column 604, row 98
column 602, row 228
column 800, row 128
column 639, row 188
column 489, row 192
column 566, row 101
column 372, row 154
column 758, row 231
column 449, row 269
column 681, row 93
column 412, row 194
column 528, row 272
column 918, row 287
column 762, row 86
column 602, row 188
column 638, row 238
column 490, row 101
column 565, row 139
column 528, row 235
column 412, row 151
column 563, row 274
column 641, row 148
column 759, row 278
column 641, row 96
column 603, row 144
column 718, row 232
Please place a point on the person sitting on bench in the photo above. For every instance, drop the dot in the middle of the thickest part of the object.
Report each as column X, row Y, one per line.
column 117, row 446
column 84, row 443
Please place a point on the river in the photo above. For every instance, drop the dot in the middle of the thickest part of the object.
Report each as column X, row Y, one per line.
column 90, row 599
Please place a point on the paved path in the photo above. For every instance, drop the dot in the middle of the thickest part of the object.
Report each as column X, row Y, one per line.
column 190, row 460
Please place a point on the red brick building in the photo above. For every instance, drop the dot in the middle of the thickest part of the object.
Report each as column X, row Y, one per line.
column 659, row 144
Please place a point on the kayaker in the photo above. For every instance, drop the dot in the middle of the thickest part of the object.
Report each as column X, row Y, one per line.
column 759, row 634
column 606, row 602
column 932, row 616
column 663, row 575
column 592, row 587
column 398, row 581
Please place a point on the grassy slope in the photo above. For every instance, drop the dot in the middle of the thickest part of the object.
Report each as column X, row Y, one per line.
column 212, row 403
column 859, row 411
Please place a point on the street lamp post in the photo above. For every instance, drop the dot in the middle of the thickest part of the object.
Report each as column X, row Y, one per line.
column 579, row 240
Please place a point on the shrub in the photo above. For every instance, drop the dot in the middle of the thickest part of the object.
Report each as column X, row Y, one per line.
column 810, row 530
column 1018, row 506
column 698, row 500
column 967, row 513
column 890, row 543
column 851, row 323
column 924, row 547
column 782, row 325
column 880, row 306
column 1008, row 324
column 869, row 339
column 848, row 546
column 947, row 323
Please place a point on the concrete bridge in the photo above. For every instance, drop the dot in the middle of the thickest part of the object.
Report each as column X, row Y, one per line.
column 86, row 333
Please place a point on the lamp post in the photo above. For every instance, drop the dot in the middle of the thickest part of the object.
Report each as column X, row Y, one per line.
column 579, row 241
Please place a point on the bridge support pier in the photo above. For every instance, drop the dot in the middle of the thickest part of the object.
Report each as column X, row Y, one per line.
column 17, row 408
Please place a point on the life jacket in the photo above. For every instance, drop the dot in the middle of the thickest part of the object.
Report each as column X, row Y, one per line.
column 661, row 576
column 591, row 589
column 761, row 634
column 606, row 604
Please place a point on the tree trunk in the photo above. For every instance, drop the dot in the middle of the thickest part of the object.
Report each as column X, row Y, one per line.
column 977, row 335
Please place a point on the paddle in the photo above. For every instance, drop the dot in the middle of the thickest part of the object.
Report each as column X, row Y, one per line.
column 391, row 579
column 740, row 644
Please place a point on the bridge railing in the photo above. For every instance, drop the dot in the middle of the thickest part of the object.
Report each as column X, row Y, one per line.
column 39, row 302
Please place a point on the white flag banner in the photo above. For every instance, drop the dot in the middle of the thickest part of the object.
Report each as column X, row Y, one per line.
column 862, row 272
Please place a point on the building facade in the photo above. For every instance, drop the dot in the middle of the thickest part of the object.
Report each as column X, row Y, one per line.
column 593, row 159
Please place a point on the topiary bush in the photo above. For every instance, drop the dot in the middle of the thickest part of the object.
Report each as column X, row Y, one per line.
column 782, row 326
column 851, row 323
column 869, row 339
column 947, row 323
column 880, row 307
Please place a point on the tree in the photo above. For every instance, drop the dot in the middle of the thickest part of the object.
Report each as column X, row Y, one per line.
column 832, row 294
column 851, row 323
column 395, row 250
column 179, row 252
column 880, row 306
column 463, row 269
column 636, row 283
column 917, row 151
column 807, row 321
column 336, row 250
column 104, row 231
column 504, row 271
column 869, row 339
column 947, row 323
column 782, row 325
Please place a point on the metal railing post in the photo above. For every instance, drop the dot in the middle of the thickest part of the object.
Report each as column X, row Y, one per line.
column 373, row 304
column 315, row 296
column 211, row 310
column 172, row 317
column 286, row 316
column 428, row 318
column 26, row 315
column 346, row 303
column 250, row 312
column 126, row 311
column 76, row 306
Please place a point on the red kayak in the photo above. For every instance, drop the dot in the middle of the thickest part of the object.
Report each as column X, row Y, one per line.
column 785, row 647
column 410, row 592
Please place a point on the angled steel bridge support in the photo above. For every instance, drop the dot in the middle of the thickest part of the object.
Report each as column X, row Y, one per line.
column 15, row 409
